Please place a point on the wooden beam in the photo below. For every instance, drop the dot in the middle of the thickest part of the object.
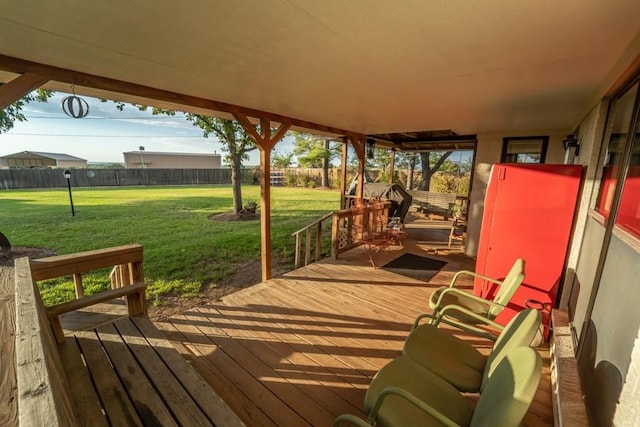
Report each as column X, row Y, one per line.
column 359, row 144
column 248, row 127
column 392, row 165
column 265, row 212
column 12, row 91
column 265, row 140
column 343, row 170
column 19, row 66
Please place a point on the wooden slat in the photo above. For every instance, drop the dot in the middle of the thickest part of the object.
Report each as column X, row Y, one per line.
column 8, row 384
column 254, row 398
column 232, row 392
column 84, row 395
column 56, row 310
column 43, row 392
column 81, row 262
column 177, row 399
column 215, row 408
column 113, row 395
column 149, row 406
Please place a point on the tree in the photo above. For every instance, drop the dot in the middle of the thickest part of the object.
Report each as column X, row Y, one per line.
column 13, row 113
column 431, row 162
column 236, row 143
column 281, row 160
column 314, row 153
column 234, row 139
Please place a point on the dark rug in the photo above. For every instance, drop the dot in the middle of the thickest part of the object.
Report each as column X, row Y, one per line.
column 415, row 266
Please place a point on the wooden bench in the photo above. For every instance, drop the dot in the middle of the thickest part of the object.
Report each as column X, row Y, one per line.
column 119, row 373
column 430, row 202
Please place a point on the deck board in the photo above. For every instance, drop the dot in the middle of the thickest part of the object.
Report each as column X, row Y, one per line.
column 302, row 348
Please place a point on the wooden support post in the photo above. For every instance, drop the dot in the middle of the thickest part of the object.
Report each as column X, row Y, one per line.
column 358, row 143
column 265, row 212
column 77, row 283
column 265, row 141
column 343, row 180
column 392, row 165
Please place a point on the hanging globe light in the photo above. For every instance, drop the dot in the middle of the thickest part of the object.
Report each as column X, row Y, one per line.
column 74, row 106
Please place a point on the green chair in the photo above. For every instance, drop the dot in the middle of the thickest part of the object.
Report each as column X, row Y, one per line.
column 405, row 394
column 461, row 364
column 482, row 310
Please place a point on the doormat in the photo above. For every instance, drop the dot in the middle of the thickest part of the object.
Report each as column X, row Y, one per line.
column 415, row 266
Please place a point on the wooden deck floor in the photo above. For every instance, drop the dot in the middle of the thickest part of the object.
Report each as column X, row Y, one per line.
column 302, row 348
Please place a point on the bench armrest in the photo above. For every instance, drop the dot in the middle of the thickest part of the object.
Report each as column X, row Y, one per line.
column 136, row 304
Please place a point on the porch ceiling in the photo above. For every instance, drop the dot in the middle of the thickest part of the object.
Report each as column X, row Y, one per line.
column 373, row 67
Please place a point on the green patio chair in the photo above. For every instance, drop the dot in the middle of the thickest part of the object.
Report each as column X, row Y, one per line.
column 404, row 394
column 482, row 310
column 461, row 364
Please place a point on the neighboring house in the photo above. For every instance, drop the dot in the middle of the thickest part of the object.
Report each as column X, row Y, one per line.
column 40, row 160
column 163, row 160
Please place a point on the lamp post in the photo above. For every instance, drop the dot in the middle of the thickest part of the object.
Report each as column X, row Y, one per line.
column 67, row 175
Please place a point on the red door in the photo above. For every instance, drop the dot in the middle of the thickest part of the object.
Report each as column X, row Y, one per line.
column 528, row 213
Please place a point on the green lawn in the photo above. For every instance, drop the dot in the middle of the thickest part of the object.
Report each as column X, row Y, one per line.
column 183, row 249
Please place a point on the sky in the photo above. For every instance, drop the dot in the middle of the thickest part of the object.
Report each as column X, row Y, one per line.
column 105, row 133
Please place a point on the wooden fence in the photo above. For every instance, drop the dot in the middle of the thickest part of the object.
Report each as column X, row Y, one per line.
column 52, row 178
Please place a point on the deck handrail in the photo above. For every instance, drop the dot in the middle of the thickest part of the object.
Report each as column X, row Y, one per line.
column 309, row 236
column 126, row 261
column 347, row 222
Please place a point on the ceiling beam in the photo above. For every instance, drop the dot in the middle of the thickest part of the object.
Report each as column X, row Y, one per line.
column 71, row 77
column 17, row 88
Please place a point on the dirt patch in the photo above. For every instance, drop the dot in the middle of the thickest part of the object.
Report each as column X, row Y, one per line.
column 246, row 275
column 232, row 216
column 6, row 260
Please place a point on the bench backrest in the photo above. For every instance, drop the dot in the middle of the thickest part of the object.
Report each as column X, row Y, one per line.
column 44, row 396
column 444, row 200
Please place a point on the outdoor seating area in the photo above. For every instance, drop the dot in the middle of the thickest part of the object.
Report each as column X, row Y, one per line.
column 300, row 349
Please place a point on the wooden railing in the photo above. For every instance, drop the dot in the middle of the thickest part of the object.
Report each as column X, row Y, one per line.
column 348, row 230
column 126, row 261
column 311, row 236
column 127, row 279
column 350, row 225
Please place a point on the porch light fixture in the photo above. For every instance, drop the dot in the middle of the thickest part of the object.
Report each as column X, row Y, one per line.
column 74, row 106
column 571, row 141
column 371, row 145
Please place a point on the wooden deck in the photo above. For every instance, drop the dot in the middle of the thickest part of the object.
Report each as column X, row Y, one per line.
column 302, row 348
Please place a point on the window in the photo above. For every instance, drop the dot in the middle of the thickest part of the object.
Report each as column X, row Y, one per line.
column 618, row 123
column 524, row 149
column 628, row 217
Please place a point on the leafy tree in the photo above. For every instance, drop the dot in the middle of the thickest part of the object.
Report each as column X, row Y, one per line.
column 281, row 160
column 13, row 113
column 236, row 143
column 431, row 162
column 313, row 152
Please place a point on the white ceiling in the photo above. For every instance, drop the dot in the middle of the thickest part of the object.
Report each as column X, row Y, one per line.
column 369, row 66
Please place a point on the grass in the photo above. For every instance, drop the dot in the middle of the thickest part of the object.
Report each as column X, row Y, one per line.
column 183, row 249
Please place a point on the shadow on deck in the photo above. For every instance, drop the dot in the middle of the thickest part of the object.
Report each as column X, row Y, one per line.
column 302, row 348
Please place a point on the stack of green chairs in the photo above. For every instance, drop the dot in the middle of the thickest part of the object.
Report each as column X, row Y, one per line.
column 424, row 386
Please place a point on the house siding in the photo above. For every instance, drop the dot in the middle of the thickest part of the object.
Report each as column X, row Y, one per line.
column 149, row 160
